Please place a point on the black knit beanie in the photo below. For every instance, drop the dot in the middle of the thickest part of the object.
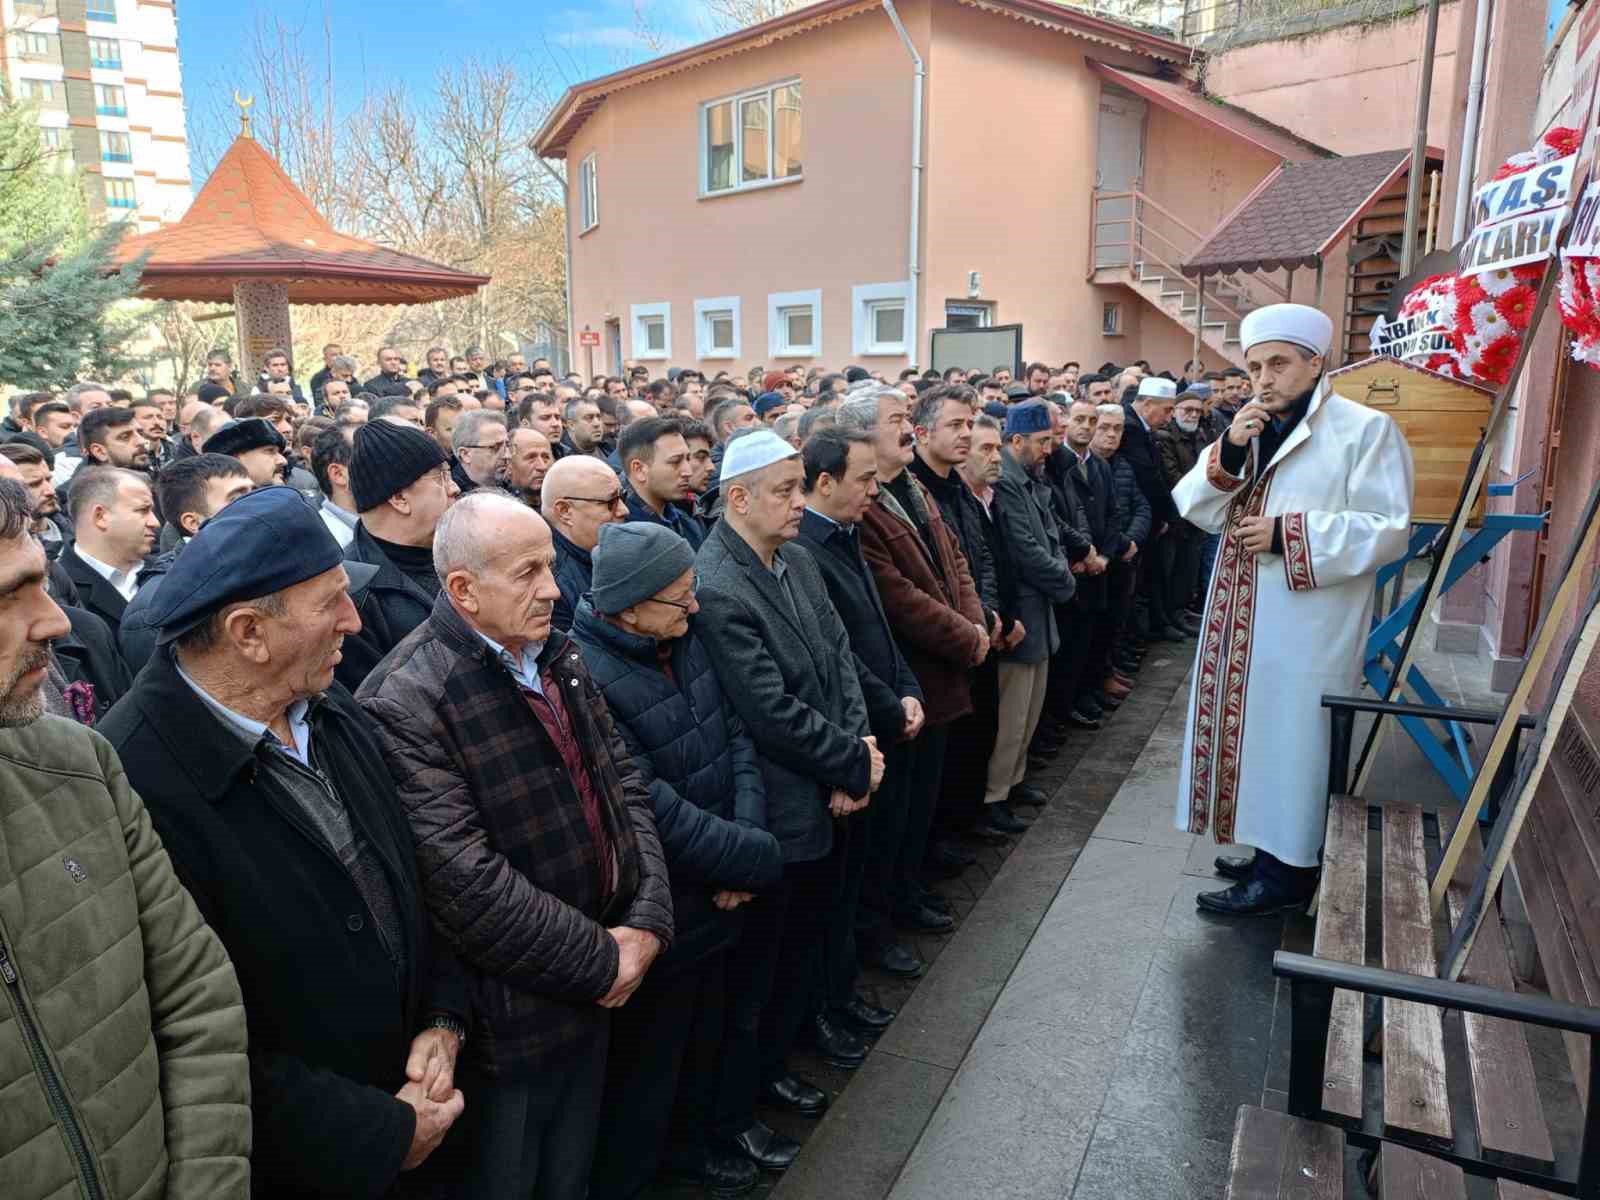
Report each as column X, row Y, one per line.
column 389, row 457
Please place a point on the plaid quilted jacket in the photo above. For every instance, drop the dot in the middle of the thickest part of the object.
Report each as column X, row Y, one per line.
column 508, row 867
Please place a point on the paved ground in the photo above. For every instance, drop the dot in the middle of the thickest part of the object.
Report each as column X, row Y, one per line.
column 1084, row 1033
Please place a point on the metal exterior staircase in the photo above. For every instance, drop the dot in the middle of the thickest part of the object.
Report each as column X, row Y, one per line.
column 1147, row 262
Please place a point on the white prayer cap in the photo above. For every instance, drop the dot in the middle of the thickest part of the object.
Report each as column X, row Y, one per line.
column 1153, row 387
column 1299, row 324
column 752, row 451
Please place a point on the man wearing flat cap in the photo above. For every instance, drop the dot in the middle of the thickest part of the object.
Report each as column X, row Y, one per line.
column 538, row 851
column 400, row 483
column 269, row 790
column 1311, row 493
column 256, row 444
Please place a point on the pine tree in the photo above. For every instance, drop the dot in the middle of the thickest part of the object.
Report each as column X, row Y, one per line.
column 59, row 296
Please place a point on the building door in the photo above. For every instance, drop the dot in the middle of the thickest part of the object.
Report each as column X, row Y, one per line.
column 1119, row 167
column 614, row 346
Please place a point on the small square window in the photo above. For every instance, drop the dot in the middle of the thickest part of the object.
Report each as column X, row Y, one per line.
column 1111, row 318
column 881, row 319
column 794, row 324
column 655, row 334
column 719, row 330
column 888, row 322
column 652, row 330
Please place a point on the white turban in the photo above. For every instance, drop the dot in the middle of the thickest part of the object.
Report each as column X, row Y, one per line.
column 1298, row 324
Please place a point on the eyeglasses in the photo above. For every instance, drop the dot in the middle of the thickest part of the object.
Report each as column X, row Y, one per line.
column 669, row 603
column 497, row 446
column 609, row 501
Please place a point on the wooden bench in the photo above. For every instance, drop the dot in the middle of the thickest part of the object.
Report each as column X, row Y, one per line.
column 1368, row 1062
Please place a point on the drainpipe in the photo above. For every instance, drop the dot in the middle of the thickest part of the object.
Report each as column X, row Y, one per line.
column 566, row 275
column 919, row 73
column 1419, row 144
column 1469, row 134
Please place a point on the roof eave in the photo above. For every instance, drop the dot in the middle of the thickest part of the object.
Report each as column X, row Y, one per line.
column 308, row 269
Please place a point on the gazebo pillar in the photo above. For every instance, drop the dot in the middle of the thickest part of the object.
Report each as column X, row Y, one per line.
column 261, row 317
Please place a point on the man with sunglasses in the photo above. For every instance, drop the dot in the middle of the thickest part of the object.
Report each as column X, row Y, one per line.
column 401, row 484
column 579, row 497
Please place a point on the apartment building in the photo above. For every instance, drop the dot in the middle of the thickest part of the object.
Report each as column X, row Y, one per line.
column 110, row 92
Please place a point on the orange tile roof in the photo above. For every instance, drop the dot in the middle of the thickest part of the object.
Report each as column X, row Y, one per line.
column 251, row 222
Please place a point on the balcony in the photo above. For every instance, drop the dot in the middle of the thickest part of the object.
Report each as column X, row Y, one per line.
column 111, row 110
column 120, row 202
column 106, row 64
column 110, row 156
column 102, row 12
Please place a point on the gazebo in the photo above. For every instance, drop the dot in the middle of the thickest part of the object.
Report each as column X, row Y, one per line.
column 252, row 236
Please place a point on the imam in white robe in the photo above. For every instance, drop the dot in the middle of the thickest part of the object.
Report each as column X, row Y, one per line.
column 1280, row 630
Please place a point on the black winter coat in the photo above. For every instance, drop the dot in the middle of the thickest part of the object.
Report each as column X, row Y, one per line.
column 391, row 605
column 330, row 1022
column 1140, row 450
column 574, row 576
column 691, row 750
column 89, row 655
column 886, row 677
column 1133, row 510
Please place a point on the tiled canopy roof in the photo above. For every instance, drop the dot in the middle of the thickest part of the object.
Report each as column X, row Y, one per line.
column 1297, row 214
column 251, row 222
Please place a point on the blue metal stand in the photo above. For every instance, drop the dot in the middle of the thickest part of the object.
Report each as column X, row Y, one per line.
column 1448, row 754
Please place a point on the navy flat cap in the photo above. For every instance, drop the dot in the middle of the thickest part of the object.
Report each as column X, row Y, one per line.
column 1030, row 417
column 768, row 401
column 237, row 437
column 262, row 543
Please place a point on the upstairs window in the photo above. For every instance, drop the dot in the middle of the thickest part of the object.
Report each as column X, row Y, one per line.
column 101, row 10
column 120, row 194
column 33, row 45
column 115, row 147
column 42, row 90
column 106, row 53
column 751, row 140
column 588, row 196
column 110, row 100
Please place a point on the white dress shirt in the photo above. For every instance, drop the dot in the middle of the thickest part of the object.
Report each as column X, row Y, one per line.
column 125, row 582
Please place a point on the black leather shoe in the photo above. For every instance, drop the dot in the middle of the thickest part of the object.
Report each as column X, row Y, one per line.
column 1104, row 702
column 1170, row 634
column 766, row 1148
column 896, row 960
column 986, row 833
column 868, row 1018
column 834, row 1044
column 721, row 1172
column 795, row 1094
column 1237, row 867
column 999, row 816
column 1251, row 898
column 922, row 919
column 1027, row 793
column 1082, row 720
column 1088, row 707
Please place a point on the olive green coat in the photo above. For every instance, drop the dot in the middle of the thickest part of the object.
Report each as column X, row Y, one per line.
column 122, row 1033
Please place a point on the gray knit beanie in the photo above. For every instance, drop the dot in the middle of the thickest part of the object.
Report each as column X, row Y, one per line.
column 633, row 561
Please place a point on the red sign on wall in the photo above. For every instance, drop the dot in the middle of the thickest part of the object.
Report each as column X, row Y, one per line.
column 588, row 337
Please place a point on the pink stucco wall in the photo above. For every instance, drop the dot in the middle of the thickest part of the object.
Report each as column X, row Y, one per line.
column 1007, row 188
column 844, row 223
column 1352, row 90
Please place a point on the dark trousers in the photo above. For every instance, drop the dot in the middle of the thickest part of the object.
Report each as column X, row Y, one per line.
column 1152, row 587
column 885, row 835
column 966, row 759
column 840, row 963
column 751, row 968
column 800, row 976
column 1119, row 600
column 661, row 1077
column 1180, row 568
column 535, row 1138
column 927, row 768
column 1067, row 667
column 1282, row 879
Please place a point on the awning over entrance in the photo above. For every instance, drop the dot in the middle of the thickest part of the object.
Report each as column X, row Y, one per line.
column 1297, row 214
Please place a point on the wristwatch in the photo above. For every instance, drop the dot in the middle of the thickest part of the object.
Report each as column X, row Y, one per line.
column 454, row 1024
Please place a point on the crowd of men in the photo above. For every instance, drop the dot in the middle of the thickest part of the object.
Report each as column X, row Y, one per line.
column 504, row 774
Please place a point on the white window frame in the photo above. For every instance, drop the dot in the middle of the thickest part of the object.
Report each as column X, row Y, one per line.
column 769, row 91
column 46, row 91
column 637, row 315
column 1111, row 318
column 704, row 310
column 33, row 45
column 981, row 309
column 588, row 194
column 778, row 329
column 865, row 298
